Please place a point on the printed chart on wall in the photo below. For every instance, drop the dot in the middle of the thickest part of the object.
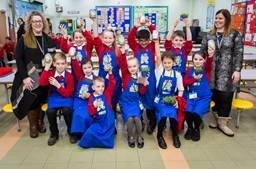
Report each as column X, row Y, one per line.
column 158, row 15
column 23, row 8
column 250, row 32
column 238, row 16
column 115, row 17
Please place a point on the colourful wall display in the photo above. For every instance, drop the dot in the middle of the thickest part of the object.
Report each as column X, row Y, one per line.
column 115, row 17
column 250, row 24
column 23, row 8
column 158, row 15
column 238, row 11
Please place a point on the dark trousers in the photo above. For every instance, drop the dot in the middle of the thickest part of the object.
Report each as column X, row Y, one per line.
column 223, row 102
column 52, row 118
column 193, row 120
column 162, row 124
column 9, row 57
column 2, row 64
column 151, row 118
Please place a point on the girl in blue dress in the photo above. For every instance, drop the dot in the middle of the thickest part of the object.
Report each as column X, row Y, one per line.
column 101, row 132
column 84, row 76
column 169, row 82
column 130, row 100
column 198, row 94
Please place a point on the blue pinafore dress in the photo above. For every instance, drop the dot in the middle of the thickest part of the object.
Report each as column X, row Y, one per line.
column 81, row 119
column 100, row 134
column 130, row 104
column 56, row 100
column 109, row 61
column 147, row 69
column 166, row 87
column 198, row 95
column 80, row 55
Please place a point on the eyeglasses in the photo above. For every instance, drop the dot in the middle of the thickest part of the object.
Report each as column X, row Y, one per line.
column 37, row 21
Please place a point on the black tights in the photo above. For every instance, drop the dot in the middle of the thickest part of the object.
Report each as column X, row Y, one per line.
column 193, row 120
column 173, row 126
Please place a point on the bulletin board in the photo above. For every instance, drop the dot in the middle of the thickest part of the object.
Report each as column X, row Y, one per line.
column 238, row 11
column 24, row 8
column 114, row 16
column 158, row 15
column 250, row 24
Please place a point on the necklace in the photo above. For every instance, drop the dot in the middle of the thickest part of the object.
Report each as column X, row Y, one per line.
column 41, row 47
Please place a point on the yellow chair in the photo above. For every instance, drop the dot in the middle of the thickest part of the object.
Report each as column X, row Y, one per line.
column 241, row 105
column 8, row 109
column 44, row 107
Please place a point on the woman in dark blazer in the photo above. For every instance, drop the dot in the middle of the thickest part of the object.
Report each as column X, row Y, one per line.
column 27, row 96
column 226, row 68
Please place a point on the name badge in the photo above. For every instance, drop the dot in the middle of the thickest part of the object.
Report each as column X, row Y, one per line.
column 156, row 100
column 192, row 95
column 141, row 106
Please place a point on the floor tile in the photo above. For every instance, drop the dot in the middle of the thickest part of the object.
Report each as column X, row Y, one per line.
column 200, row 165
column 105, row 165
column 152, row 165
column 80, row 165
column 103, row 155
column 127, row 155
column 148, row 155
column 81, row 156
column 55, row 166
column 127, row 165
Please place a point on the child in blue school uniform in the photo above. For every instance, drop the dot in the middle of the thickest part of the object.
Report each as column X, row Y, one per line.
column 84, row 76
column 139, row 40
column 60, row 96
column 131, row 107
column 176, row 42
column 169, row 83
column 198, row 93
column 101, row 132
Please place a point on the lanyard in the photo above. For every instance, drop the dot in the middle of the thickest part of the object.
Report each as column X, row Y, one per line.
column 41, row 47
column 219, row 41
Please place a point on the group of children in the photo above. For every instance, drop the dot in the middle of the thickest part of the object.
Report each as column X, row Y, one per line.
column 158, row 84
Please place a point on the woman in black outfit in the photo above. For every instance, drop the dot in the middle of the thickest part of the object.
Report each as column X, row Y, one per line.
column 21, row 29
column 30, row 51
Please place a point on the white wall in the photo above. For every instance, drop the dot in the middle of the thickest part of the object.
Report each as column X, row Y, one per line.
column 199, row 8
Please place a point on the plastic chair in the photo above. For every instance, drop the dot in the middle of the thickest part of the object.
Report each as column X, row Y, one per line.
column 241, row 105
column 8, row 109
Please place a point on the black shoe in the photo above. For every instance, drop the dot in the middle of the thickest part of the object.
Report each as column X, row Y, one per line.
column 115, row 131
column 73, row 139
column 161, row 142
column 140, row 142
column 131, row 142
column 176, row 142
column 188, row 134
column 149, row 130
column 52, row 140
column 196, row 135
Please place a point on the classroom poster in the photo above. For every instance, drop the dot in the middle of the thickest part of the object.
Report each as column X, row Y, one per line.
column 114, row 17
column 158, row 15
column 250, row 24
column 238, row 11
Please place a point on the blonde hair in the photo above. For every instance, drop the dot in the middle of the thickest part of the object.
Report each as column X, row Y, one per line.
column 29, row 37
column 59, row 55
column 98, row 79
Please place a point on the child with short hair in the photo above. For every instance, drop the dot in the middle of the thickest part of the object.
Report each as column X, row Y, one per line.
column 84, row 76
column 101, row 132
column 176, row 42
column 134, row 86
column 60, row 96
column 169, row 83
column 144, row 50
column 198, row 93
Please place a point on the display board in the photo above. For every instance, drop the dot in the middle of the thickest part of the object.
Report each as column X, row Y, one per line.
column 115, row 17
column 158, row 15
column 238, row 11
column 250, row 24
column 24, row 8
column 69, row 25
